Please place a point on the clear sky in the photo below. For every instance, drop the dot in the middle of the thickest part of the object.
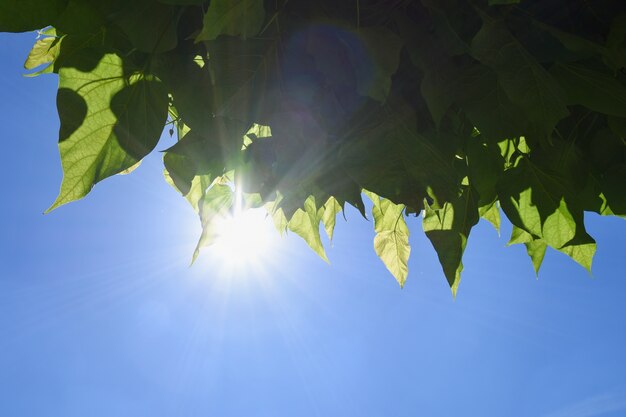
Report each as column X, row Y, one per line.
column 100, row 314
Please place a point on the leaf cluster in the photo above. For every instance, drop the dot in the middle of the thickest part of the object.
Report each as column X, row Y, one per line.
column 455, row 110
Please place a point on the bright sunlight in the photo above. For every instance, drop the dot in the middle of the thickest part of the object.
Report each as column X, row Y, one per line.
column 244, row 238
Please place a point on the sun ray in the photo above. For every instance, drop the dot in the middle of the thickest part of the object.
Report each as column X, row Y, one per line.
column 244, row 240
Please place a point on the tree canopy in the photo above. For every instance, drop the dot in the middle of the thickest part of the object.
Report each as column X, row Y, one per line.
column 454, row 110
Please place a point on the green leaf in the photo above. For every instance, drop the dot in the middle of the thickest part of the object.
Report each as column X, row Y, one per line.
column 512, row 149
column 481, row 95
column 616, row 42
column 44, row 51
column 491, row 213
column 331, row 209
column 485, row 165
column 196, row 192
column 525, row 81
column 25, row 15
column 583, row 47
column 257, row 131
column 232, row 17
column 89, row 17
column 242, row 77
column 617, row 126
column 213, row 150
column 592, row 87
column 109, row 121
column 450, row 20
column 581, row 249
column 439, row 88
column 391, row 242
column 540, row 203
column 183, row 2
column 448, row 229
column 305, row 223
column 190, row 85
column 179, row 171
column 375, row 67
column 151, row 27
column 130, row 169
column 214, row 205
column 379, row 156
column 367, row 57
column 278, row 216
column 612, row 186
column 536, row 248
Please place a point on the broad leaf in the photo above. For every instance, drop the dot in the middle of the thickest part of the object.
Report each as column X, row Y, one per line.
column 306, row 224
column 213, row 150
column 183, row 2
column 491, row 213
column 526, row 82
column 616, row 42
column 197, row 189
column 278, row 216
column 439, row 88
column 592, row 87
column 536, row 248
column 485, row 101
column 109, row 121
column 44, row 52
column 331, row 209
column 150, row 26
column 379, row 60
column 448, row 229
column 25, row 15
column 232, row 17
column 540, row 203
column 581, row 249
column 391, row 242
column 243, row 74
column 214, row 205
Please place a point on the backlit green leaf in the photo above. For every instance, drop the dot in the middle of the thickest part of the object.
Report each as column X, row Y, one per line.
column 448, row 229
column 581, row 249
column 536, row 248
column 540, row 203
column 109, row 121
column 306, row 224
column 213, row 206
column 45, row 51
column 491, row 213
column 331, row 209
column 391, row 242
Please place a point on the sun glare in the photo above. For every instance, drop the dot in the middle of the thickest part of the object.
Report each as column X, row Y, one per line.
column 244, row 238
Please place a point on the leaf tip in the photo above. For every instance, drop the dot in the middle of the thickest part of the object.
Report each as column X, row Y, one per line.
column 453, row 290
column 194, row 257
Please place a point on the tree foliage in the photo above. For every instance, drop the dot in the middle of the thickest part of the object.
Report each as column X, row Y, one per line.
column 451, row 109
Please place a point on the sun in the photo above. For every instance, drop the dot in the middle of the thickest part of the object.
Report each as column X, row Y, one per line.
column 244, row 239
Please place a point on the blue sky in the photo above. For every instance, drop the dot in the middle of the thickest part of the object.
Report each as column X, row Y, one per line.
column 100, row 314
